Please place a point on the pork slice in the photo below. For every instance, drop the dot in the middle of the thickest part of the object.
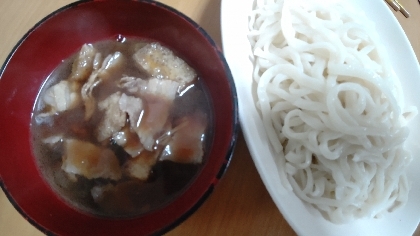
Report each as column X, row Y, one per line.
column 104, row 70
column 83, row 64
column 140, row 166
column 160, row 62
column 86, row 159
column 62, row 96
column 133, row 85
column 113, row 119
column 186, row 144
column 133, row 106
column 129, row 141
column 112, row 66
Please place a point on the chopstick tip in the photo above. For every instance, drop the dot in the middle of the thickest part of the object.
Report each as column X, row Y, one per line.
column 394, row 5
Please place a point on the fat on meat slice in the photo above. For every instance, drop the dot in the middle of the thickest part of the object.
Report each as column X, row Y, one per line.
column 62, row 96
column 83, row 65
column 160, row 62
column 186, row 144
column 140, row 166
column 111, row 66
column 86, row 159
column 113, row 119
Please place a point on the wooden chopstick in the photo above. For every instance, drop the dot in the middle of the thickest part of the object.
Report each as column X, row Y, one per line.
column 393, row 4
column 403, row 10
column 398, row 7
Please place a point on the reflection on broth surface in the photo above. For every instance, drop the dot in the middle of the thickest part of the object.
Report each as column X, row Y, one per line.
column 122, row 127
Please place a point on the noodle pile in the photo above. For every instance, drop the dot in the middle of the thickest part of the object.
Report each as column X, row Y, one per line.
column 331, row 106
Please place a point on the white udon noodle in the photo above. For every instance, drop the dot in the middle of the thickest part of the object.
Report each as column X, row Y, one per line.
column 331, row 107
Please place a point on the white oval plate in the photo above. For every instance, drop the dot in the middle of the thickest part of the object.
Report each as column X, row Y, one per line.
column 303, row 218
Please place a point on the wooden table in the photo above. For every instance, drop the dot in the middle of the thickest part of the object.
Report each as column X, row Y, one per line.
column 240, row 204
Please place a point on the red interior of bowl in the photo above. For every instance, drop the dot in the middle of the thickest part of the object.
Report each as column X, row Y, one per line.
column 58, row 36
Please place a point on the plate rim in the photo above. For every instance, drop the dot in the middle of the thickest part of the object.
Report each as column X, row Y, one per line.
column 245, row 118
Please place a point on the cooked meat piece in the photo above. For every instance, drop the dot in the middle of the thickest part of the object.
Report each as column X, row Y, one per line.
column 113, row 119
column 83, row 64
column 160, row 62
column 86, row 159
column 88, row 99
column 133, row 85
column 164, row 88
column 186, row 144
column 133, row 106
column 129, row 141
column 111, row 67
column 160, row 87
column 158, row 97
column 62, row 96
column 141, row 165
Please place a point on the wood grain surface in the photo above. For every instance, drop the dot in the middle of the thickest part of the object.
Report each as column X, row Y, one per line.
column 240, row 204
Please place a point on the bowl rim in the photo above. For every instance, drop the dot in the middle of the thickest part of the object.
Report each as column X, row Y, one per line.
column 234, row 115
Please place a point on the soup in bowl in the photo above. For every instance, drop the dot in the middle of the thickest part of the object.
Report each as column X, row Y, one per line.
column 121, row 118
